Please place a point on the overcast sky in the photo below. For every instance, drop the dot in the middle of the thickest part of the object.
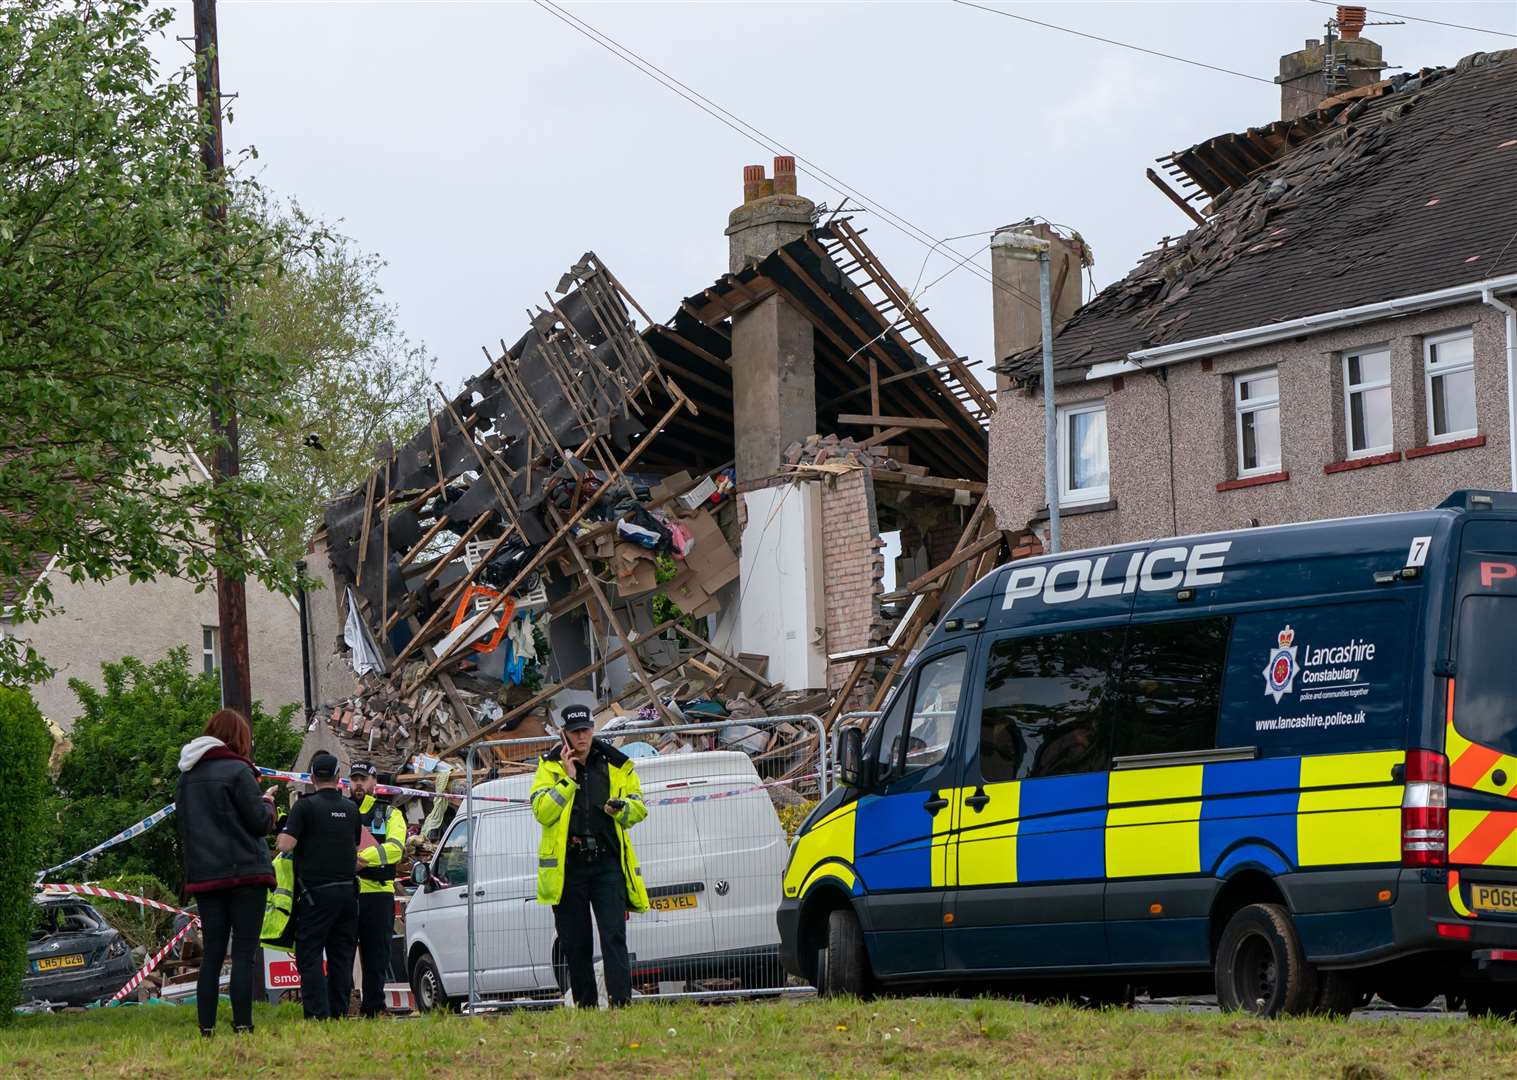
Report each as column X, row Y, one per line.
column 480, row 148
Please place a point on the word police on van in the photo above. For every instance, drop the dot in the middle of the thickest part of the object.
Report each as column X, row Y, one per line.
column 1075, row 579
column 1280, row 764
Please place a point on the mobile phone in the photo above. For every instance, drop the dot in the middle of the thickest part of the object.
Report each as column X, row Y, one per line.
column 616, row 804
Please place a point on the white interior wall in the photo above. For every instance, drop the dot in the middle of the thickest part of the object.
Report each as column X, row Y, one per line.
column 782, row 614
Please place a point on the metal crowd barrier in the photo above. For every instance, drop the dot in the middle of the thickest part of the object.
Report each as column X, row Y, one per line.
column 712, row 852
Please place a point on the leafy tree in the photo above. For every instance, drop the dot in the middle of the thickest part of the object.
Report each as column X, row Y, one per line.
column 356, row 379
column 124, row 763
column 24, row 747
column 109, row 272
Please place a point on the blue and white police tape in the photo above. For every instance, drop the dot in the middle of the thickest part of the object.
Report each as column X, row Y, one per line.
column 387, row 789
column 120, row 838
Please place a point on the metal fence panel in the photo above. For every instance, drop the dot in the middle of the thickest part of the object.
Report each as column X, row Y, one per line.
column 712, row 850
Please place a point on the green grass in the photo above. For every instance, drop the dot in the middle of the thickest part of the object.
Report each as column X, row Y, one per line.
column 912, row 1037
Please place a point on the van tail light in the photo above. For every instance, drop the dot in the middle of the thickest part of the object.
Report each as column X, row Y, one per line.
column 1425, row 810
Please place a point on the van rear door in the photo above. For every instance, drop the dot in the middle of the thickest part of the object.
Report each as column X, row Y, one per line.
column 1481, row 728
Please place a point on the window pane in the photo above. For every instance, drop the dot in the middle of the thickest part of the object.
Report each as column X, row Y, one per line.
column 1044, row 705
column 1087, row 456
column 1453, row 402
column 1261, row 438
column 1369, row 367
column 889, row 749
column 1258, row 386
column 1487, row 682
column 1171, row 687
column 1369, row 418
column 452, row 862
column 935, row 706
column 1459, row 350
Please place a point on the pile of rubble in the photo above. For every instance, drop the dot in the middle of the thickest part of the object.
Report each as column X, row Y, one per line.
column 841, row 450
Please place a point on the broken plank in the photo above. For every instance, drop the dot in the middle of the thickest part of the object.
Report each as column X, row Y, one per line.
column 892, row 421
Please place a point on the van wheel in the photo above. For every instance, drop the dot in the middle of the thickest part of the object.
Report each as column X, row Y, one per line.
column 1337, row 993
column 1499, row 1002
column 1261, row 967
column 843, row 966
column 426, row 986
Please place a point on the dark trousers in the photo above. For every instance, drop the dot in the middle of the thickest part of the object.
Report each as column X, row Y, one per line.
column 376, row 926
column 235, row 916
column 326, row 921
column 595, row 885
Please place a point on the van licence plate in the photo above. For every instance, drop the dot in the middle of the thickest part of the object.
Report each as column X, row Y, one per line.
column 679, row 902
column 54, row 963
column 1494, row 897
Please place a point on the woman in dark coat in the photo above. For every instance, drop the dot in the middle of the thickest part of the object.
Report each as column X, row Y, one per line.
column 222, row 822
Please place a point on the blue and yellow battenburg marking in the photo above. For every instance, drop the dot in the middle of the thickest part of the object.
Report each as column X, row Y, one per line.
column 1276, row 814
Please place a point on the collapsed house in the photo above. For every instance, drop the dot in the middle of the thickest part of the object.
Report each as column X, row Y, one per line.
column 680, row 522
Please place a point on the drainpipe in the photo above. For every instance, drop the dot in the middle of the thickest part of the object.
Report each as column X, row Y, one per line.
column 305, row 638
column 1488, row 297
column 1050, row 407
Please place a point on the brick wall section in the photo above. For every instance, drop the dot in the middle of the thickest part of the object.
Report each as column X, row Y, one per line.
column 853, row 566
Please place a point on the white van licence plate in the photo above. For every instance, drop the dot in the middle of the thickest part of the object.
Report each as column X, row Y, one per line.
column 677, row 902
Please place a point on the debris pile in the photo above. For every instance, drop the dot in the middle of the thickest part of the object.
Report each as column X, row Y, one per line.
column 841, row 450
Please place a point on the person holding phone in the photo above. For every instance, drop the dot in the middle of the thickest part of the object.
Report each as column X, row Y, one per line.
column 586, row 795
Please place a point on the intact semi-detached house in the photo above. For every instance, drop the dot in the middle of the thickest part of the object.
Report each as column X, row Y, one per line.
column 1336, row 338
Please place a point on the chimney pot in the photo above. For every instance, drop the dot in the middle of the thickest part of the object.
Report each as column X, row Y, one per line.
column 1350, row 21
column 753, row 182
column 784, row 175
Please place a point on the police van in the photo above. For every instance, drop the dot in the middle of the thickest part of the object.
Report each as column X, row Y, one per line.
column 1279, row 763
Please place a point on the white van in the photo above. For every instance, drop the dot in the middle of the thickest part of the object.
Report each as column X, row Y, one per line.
column 712, row 853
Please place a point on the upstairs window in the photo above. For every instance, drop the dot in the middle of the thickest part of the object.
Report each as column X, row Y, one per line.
column 1256, row 405
column 210, row 649
column 1083, row 473
column 1450, row 361
column 1367, row 401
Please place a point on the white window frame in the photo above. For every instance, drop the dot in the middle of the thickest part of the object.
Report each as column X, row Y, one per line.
column 1241, row 406
column 1079, row 496
column 213, row 654
column 1350, row 389
column 1430, row 371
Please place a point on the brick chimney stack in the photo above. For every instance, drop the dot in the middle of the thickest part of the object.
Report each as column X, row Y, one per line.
column 1322, row 69
column 773, row 351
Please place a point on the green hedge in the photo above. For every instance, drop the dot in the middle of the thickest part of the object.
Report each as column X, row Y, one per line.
column 24, row 748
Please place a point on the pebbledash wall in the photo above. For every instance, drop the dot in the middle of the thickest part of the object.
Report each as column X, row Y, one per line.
column 1189, row 406
column 101, row 622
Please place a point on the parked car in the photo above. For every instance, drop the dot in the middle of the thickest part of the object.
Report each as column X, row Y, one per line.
column 712, row 852
column 74, row 956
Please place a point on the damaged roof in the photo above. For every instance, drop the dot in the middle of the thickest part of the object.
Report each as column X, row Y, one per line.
column 1403, row 191
column 695, row 349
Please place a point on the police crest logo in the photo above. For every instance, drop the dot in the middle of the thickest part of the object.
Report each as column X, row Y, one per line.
column 1280, row 672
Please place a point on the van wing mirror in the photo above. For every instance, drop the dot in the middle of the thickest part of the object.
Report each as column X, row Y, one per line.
column 421, row 874
column 850, row 756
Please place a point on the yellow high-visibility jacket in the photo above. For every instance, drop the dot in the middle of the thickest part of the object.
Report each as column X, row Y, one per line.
column 552, row 800
column 388, row 827
column 277, row 932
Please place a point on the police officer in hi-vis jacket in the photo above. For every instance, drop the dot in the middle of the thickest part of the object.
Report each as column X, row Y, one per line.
column 586, row 796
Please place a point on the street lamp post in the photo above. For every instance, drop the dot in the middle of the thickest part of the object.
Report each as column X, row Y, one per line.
column 1021, row 245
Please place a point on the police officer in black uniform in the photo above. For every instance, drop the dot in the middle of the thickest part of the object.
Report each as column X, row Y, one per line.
column 322, row 831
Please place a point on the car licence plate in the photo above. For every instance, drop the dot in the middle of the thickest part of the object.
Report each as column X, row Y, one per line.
column 54, row 963
column 1494, row 897
column 678, row 902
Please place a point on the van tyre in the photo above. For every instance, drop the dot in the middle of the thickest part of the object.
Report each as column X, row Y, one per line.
column 1338, row 993
column 426, row 986
column 1499, row 1002
column 843, row 966
column 1261, row 967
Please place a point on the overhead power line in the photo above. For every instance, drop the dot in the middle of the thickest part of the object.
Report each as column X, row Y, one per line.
column 1114, row 41
column 773, row 145
column 1421, row 19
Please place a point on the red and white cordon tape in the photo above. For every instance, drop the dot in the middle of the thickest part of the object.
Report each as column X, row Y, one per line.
column 153, row 961
column 63, row 889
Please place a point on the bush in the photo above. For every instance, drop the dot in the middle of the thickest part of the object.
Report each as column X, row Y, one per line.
column 24, row 747
column 124, row 763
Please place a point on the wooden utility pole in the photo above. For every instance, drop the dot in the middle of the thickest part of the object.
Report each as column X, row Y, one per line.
column 231, row 596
